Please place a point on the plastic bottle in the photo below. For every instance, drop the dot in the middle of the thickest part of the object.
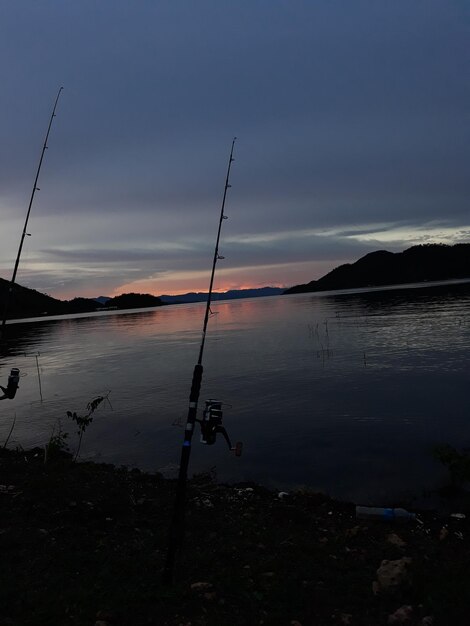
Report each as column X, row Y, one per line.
column 384, row 514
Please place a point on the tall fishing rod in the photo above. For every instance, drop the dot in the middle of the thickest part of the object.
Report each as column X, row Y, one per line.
column 24, row 233
column 177, row 524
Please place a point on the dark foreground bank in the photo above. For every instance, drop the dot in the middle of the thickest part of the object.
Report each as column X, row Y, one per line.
column 84, row 544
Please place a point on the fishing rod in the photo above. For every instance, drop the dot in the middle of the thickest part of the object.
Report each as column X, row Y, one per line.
column 211, row 423
column 25, row 233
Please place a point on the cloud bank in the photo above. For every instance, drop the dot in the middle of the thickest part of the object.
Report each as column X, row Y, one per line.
column 352, row 123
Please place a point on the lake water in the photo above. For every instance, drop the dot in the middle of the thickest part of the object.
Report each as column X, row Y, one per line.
column 345, row 392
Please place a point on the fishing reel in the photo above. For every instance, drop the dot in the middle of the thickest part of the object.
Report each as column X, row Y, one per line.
column 211, row 426
column 12, row 386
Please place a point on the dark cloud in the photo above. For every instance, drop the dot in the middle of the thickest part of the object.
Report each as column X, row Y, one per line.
column 349, row 116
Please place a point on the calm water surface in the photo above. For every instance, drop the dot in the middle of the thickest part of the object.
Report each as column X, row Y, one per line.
column 346, row 392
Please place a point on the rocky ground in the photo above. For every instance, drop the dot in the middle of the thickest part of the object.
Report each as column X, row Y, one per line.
column 84, row 544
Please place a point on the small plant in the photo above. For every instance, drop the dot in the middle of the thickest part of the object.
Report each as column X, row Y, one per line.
column 57, row 443
column 458, row 463
column 83, row 421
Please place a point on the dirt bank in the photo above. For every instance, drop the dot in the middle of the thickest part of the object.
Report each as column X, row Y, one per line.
column 83, row 543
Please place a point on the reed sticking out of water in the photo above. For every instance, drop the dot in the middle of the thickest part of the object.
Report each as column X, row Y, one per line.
column 324, row 351
column 39, row 374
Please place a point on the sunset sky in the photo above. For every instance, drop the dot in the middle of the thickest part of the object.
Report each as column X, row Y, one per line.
column 352, row 121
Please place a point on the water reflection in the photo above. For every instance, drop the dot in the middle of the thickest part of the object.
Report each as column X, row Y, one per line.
column 343, row 392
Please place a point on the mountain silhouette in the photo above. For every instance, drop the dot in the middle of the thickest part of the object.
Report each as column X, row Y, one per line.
column 416, row 264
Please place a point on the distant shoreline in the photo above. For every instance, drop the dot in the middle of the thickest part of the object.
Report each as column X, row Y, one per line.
column 391, row 287
column 371, row 289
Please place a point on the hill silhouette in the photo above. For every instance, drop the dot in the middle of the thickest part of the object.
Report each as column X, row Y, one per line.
column 26, row 302
column 416, row 264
